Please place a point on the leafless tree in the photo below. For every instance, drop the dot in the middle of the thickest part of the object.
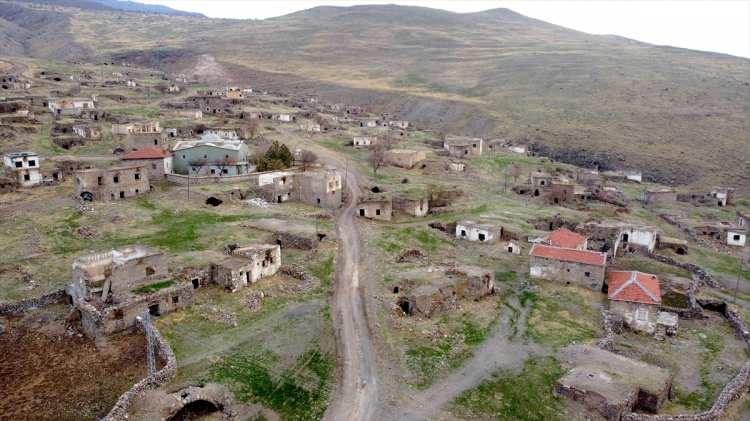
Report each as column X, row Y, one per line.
column 307, row 158
column 198, row 165
column 252, row 130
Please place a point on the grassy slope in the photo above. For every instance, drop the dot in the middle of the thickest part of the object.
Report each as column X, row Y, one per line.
column 676, row 113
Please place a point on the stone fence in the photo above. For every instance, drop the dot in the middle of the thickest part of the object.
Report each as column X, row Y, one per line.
column 120, row 411
column 696, row 270
column 14, row 308
column 732, row 390
column 208, row 179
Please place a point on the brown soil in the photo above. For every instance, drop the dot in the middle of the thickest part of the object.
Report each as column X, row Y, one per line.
column 48, row 375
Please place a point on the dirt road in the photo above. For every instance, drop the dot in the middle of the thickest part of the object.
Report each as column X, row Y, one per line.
column 356, row 394
column 499, row 352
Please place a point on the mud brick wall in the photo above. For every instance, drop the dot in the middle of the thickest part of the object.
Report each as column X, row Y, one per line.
column 120, row 411
column 14, row 308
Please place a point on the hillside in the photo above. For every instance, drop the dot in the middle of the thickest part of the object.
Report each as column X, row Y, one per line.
column 679, row 115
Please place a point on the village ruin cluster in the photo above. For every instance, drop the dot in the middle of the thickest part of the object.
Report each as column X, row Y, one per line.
column 209, row 225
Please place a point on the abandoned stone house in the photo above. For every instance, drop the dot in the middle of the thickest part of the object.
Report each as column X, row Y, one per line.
column 404, row 158
column 743, row 219
column 190, row 114
column 211, row 157
column 678, row 245
column 68, row 165
column 615, row 237
column 364, row 141
column 112, row 183
column 624, row 175
column 110, row 289
column 311, row 127
column 24, row 168
column 444, row 288
column 474, row 231
column 565, row 238
column 275, row 186
column 512, row 247
column 719, row 196
column 659, row 195
column 158, row 161
column 368, row 123
column 560, row 193
column 319, row 187
column 401, row 124
column 610, row 384
column 414, row 205
column 736, row 236
column 140, row 135
column 87, row 131
column 13, row 82
column 519, row 149
column 233, row 92
column 496, row 145
column 636, row 297
column 455, row 166
column 70, row 106
column 377, row 206
column 284, row 118
column 580, row 267
column 463, row 147
column 541, row 180
column 246, row 265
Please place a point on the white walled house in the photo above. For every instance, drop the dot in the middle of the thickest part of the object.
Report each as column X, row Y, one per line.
column 472, row 231
column 736, row 237
column 363, row 141
column 638, row 237
column 25, row 168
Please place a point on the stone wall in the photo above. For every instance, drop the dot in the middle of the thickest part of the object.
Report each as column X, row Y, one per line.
column 120, row 411
column 14, row 308
column 732, row 390
column 696, row 270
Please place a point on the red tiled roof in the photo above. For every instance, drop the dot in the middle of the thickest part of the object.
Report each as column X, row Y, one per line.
column 146, row 153
column 569, row 255
column 633, row 286
column 565, row 238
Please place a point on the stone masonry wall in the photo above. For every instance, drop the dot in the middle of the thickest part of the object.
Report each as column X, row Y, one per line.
column 732, row 390
column 120, row 411
column 14, row 308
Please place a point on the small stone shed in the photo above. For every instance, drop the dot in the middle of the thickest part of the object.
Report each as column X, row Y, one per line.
column 479, row 232
column 404, row 158
column 412, row 204
column 246, row 265
column 377, row 206
column 610, row 384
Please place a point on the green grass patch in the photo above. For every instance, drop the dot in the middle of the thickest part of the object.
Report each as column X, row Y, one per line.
column 298, row 393
column 507, row 396
column 395, row 240
column 428, row 362
column 324, row 271
column 509, row 276
column 145, row 203
column 701, row 400
column 562, row 319
column 151, row 288
column 135, row 111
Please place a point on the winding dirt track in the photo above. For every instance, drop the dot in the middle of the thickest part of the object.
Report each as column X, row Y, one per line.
column 356, row 395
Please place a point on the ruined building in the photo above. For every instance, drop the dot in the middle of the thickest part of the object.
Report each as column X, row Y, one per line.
column 444, row 288
column 23, row 167
column 112, row 183
column 246, row 265
column 110, row 289
column 463, row 147
column 157, row 160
